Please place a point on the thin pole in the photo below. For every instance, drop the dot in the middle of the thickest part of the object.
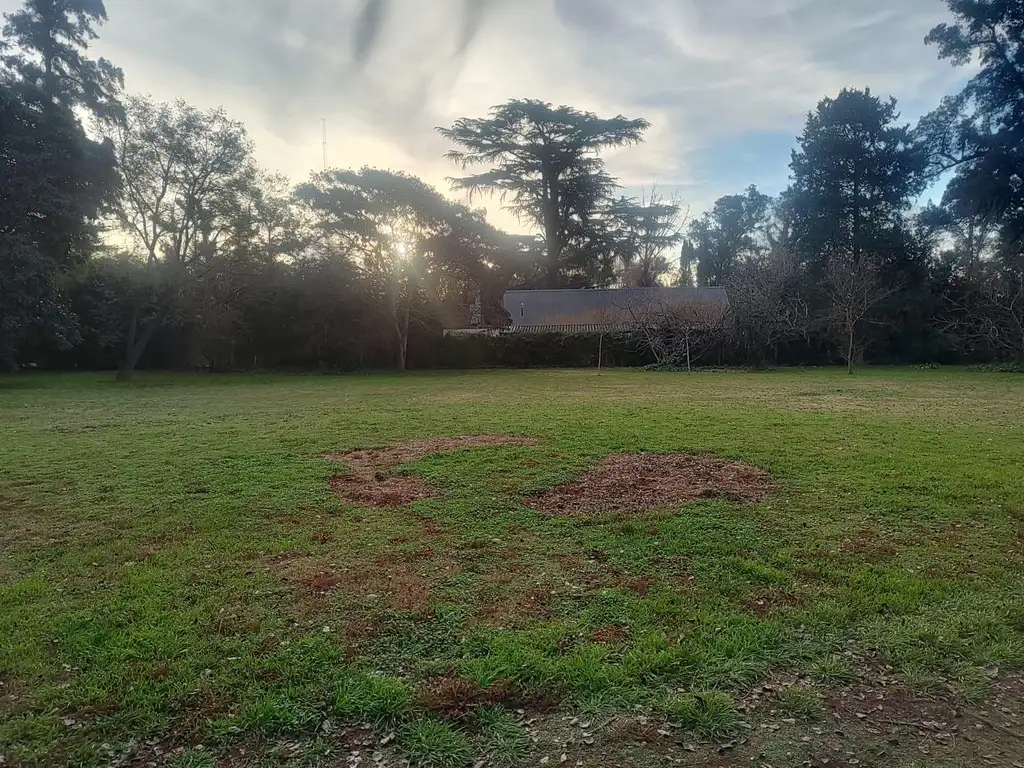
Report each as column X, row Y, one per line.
column 324, row 124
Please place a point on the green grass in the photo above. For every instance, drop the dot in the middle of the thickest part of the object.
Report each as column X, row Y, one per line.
column 436, row 743
column 802, row 702
column 711, row 714
column 156, row 537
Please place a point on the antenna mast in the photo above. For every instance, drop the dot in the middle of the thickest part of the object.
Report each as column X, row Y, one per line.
column 324, row 123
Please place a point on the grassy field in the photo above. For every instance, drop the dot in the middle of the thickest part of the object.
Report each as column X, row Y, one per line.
column 180, row 586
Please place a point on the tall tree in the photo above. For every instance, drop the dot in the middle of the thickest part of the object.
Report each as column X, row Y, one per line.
column 733, row 232
column 52, row 182
column 979, row 132
column 412, row 245
column 50, row 38
column 53, row 178
column 184, row 176
column 645, row 230
column 972, row 235
column 855, row 173
column 545, row 161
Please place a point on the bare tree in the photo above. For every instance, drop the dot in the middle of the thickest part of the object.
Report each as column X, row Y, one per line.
column 991, row 314
column 183, row 174
column 677, row 331
column 645, row 231
column 854, row 288
column 767, row 302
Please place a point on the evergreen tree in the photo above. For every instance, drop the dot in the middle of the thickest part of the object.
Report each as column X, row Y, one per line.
column 545, row 160
column 979, row 132
column 53, row 178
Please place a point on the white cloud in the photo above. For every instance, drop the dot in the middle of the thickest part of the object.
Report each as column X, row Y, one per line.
column 700, row 70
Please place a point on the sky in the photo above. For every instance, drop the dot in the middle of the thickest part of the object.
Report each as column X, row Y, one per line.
column 726, row 84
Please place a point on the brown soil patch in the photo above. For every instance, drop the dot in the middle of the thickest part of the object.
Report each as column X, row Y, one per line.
column 938, row 728
column 401, row 586
column 765, row 603
column 11, row 698
column 610, row 635
column 404, row 453
column 640, row 585
column 868, row 544
column 453, row 697
column 324, row 581
column 379, row 490
column 368, row 484
column 633, row 483
column 511, row 605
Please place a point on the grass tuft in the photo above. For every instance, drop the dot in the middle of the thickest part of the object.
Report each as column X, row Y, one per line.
column 833, row 670
column 711, row 714
column 802, row 703
column 501, row 734
column 435, row 744
column 370, row 698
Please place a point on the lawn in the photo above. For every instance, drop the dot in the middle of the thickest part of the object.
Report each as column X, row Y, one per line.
column 180, row 585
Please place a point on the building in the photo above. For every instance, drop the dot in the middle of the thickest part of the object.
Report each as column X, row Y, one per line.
column 586, row 310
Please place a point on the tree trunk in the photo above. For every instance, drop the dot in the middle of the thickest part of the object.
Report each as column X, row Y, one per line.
column 688, row 368
column 600, row 351
column 402, row 332
column 849, row 353
column 552, row 241
column 137, row 343
column 134, row 352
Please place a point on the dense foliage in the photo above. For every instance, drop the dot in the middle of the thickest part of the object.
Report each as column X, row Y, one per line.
column 209, row 262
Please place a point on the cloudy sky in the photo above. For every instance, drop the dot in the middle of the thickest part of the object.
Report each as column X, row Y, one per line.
column 726, row 84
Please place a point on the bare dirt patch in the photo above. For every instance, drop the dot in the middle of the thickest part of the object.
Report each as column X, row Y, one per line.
column 763, row 604
column 369, row 484
column 937, row 728
column 610, row 635
column 868, row 544
column 404, row 585
column 454, row 697
column 380, row 490
column 508, row 597
column 633, row 483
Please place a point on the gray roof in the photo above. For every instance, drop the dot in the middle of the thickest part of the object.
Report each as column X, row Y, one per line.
column 571, row 310
column 569, row 328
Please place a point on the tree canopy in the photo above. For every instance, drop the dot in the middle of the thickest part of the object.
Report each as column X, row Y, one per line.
column 165, row 243
column 734, row 231
column 856, row 172
column 53, row 177
column 47, row 42
column 979, row 132
column 544, row 162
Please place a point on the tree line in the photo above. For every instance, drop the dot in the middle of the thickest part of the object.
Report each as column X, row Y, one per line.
column 135, row 232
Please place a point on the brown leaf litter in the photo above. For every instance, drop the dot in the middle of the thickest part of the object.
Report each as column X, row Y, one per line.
column 401, row 585
column 454, row 697
column 369, row 484
column 632, row 483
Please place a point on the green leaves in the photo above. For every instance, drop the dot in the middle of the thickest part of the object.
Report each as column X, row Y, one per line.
column 545, row 166
column 51, row 37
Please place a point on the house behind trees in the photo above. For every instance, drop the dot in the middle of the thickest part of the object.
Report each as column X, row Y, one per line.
column 608, row 310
